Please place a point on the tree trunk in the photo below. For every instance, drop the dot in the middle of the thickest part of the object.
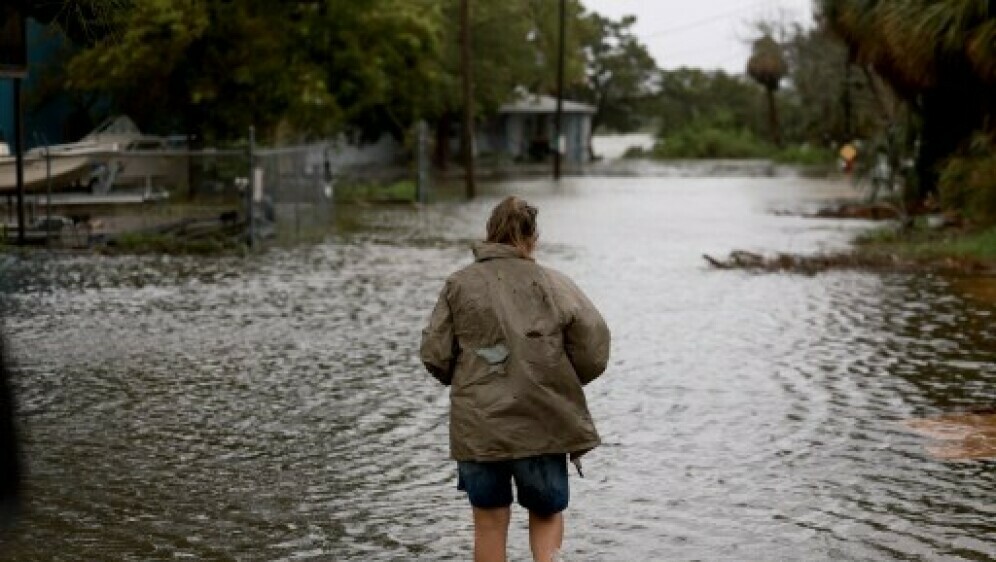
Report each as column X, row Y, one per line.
column 847, row 103
column 950, row 115
column 776, row 135
column 467, row 136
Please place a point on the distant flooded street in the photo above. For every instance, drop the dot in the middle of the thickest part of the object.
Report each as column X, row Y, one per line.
column 273, row 407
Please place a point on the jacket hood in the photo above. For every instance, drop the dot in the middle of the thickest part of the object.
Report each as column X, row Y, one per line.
column 484, row 251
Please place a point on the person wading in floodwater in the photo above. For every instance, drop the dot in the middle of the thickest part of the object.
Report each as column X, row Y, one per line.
column 516, row 342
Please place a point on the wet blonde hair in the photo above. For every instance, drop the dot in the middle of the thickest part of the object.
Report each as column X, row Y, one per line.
column 513, row 222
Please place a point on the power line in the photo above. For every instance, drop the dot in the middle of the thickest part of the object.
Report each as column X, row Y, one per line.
column 704, row 21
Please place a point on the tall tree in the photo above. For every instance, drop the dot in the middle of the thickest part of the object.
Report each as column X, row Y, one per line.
column 620, row 73
column 215, row 66
column 767, row 66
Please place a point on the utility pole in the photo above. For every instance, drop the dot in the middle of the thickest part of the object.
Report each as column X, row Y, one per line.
column 467, row 133
column 559, row 118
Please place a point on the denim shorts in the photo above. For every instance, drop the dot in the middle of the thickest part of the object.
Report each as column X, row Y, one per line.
column 540, row 483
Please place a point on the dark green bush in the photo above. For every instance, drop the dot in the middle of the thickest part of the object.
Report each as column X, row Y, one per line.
column 711, row 142
column 968, row 183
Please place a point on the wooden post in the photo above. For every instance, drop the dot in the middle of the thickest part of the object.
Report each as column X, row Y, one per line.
column 559, row 119
column 251, row 191
column 467, row 136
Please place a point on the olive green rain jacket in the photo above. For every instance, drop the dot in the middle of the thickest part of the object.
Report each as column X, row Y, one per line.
column 515, row 342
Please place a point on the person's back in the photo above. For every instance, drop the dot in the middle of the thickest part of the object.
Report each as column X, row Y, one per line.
column 516, row 341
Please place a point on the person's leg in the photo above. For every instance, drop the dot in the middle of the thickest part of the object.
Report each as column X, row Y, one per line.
column 489, row 489
column 491, row 533
column 543, row 489
column 546, row 535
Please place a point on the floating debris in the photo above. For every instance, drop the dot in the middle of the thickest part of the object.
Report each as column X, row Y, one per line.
column 864, row 261
column 865, row 211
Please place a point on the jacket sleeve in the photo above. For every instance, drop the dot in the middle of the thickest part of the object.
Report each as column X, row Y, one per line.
column 439, row 349
column 586, row 337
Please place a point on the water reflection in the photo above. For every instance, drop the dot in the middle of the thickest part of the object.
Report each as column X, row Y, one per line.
column 273, row 408
column 959, row 437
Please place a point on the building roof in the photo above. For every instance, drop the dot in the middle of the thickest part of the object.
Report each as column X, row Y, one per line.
column 532, row 103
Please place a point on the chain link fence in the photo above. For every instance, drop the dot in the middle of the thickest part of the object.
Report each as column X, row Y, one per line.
column 205, row 194
column 293, row 192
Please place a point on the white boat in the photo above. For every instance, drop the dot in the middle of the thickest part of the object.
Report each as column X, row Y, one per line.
column 65, row 170
column 114, row 155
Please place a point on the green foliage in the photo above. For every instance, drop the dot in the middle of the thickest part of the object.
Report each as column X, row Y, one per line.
column 710, row 141
column 968, row 182
column 938, row 55
column 514, row 45
column 399, row 191
column 821, row 101
column 620, row 73
column 804, row 154
column 917, row 44
column 690, row 96
column 299, row 69
column 155, row 243
column 377, row 62
column 981, row 245
column 926, row 243
column 217, row 66
column 828, row 99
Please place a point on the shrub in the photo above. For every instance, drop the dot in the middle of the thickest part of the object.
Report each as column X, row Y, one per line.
column 804, row 154
column 711, row 142
column 968, row 183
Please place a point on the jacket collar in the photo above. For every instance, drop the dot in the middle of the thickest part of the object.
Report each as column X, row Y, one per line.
column 484, row 251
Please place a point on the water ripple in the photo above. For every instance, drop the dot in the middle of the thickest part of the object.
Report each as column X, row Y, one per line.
column 272, row 407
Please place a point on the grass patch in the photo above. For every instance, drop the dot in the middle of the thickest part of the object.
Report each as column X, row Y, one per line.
column 804, row 154
column 155, row 243
column 923, row 243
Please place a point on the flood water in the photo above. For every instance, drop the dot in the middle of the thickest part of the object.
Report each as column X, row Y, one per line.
column 273, row 407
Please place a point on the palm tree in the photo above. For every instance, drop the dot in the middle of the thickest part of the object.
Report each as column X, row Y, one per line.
column 939, row 55
column 767, row 66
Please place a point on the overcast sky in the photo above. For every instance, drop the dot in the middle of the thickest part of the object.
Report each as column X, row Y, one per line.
column 702, row 33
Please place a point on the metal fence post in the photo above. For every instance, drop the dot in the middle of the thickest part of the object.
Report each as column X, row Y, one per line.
column 251, row 190
column 422, row 174
column 48, row 187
